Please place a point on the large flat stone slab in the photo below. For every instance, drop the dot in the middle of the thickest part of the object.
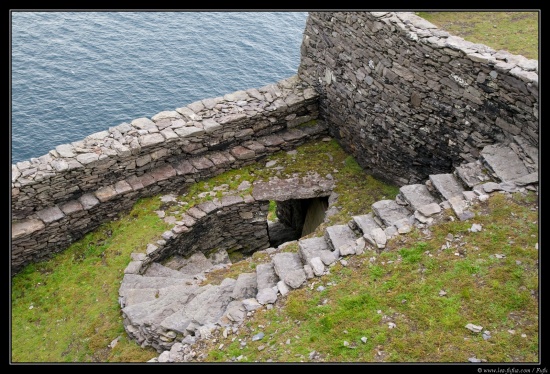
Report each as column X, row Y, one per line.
column 503, row 162
column 306, row 187
column 472, row 174
column 289, row 269
column 312, row 246
column 389, row 212
column 365, row 222
column 341, row 238
column 416, row 195
column 372, row 232
column 446, row 185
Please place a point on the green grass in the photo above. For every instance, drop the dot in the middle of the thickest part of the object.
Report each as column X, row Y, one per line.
column 66, row 310
column 67, row 307
column 272, row 213
column 402, row 286
column 515, row 32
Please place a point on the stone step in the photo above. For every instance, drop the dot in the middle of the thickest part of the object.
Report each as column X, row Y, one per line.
column 342, row 239
column 136, row 281
column 446, row 185
column 207, row 307
column 316, row 253
column 472, row 174
column 155, row 269
column 194, row 264
column 138, row 295
column 267, row 280
column 503, row 163
column 154, row 311
column 428, row 213
column 416, row 196
column 134, row 296
column 371, row 230
column 460, row 206
column 389, row 212
column 289, row 268
column 365, row 223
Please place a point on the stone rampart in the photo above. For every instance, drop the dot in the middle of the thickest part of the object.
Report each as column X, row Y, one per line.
column 59, row 197
column 407, row 99
column 404, row 98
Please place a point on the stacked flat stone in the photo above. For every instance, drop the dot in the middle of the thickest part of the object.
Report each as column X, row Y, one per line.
column 59, row 197
column 408, row 99
column 171, row 311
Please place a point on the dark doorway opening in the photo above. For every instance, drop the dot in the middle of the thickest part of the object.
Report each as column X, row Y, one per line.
column 296, row 219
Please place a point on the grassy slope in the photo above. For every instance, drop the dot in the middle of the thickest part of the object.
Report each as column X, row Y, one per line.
column 63, row 313
column 490, row 278
column 71, row 312
column 515, row 32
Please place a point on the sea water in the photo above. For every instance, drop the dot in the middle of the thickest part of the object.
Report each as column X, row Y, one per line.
column 76, row 73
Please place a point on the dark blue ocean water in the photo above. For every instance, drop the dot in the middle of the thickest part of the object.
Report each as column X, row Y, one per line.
column 77, row 73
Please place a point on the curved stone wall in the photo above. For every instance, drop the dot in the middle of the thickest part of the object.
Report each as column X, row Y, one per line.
column 404, row 98
column 233, row 223
column 408, row 100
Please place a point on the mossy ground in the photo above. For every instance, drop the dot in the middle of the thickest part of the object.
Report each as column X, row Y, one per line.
column 71, row 314
column 66, row 313
column 515, row 32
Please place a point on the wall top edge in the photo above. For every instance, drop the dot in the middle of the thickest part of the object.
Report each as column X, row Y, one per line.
column 193, row 119
column 418, row 29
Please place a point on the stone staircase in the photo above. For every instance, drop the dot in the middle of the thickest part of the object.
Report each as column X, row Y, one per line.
column 166, row 306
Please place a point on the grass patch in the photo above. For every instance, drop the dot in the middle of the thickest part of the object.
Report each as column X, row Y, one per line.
column 412, row 302
column 272, row 213
column 71, row 313
column 515, row 32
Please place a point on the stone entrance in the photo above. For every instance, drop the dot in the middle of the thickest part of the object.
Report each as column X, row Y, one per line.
column 296, row 218
column 301, row 205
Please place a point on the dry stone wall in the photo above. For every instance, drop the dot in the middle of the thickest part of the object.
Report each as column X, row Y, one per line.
column 232, row 223
column 59, row 197
column 404, row 98
column 407, row 99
